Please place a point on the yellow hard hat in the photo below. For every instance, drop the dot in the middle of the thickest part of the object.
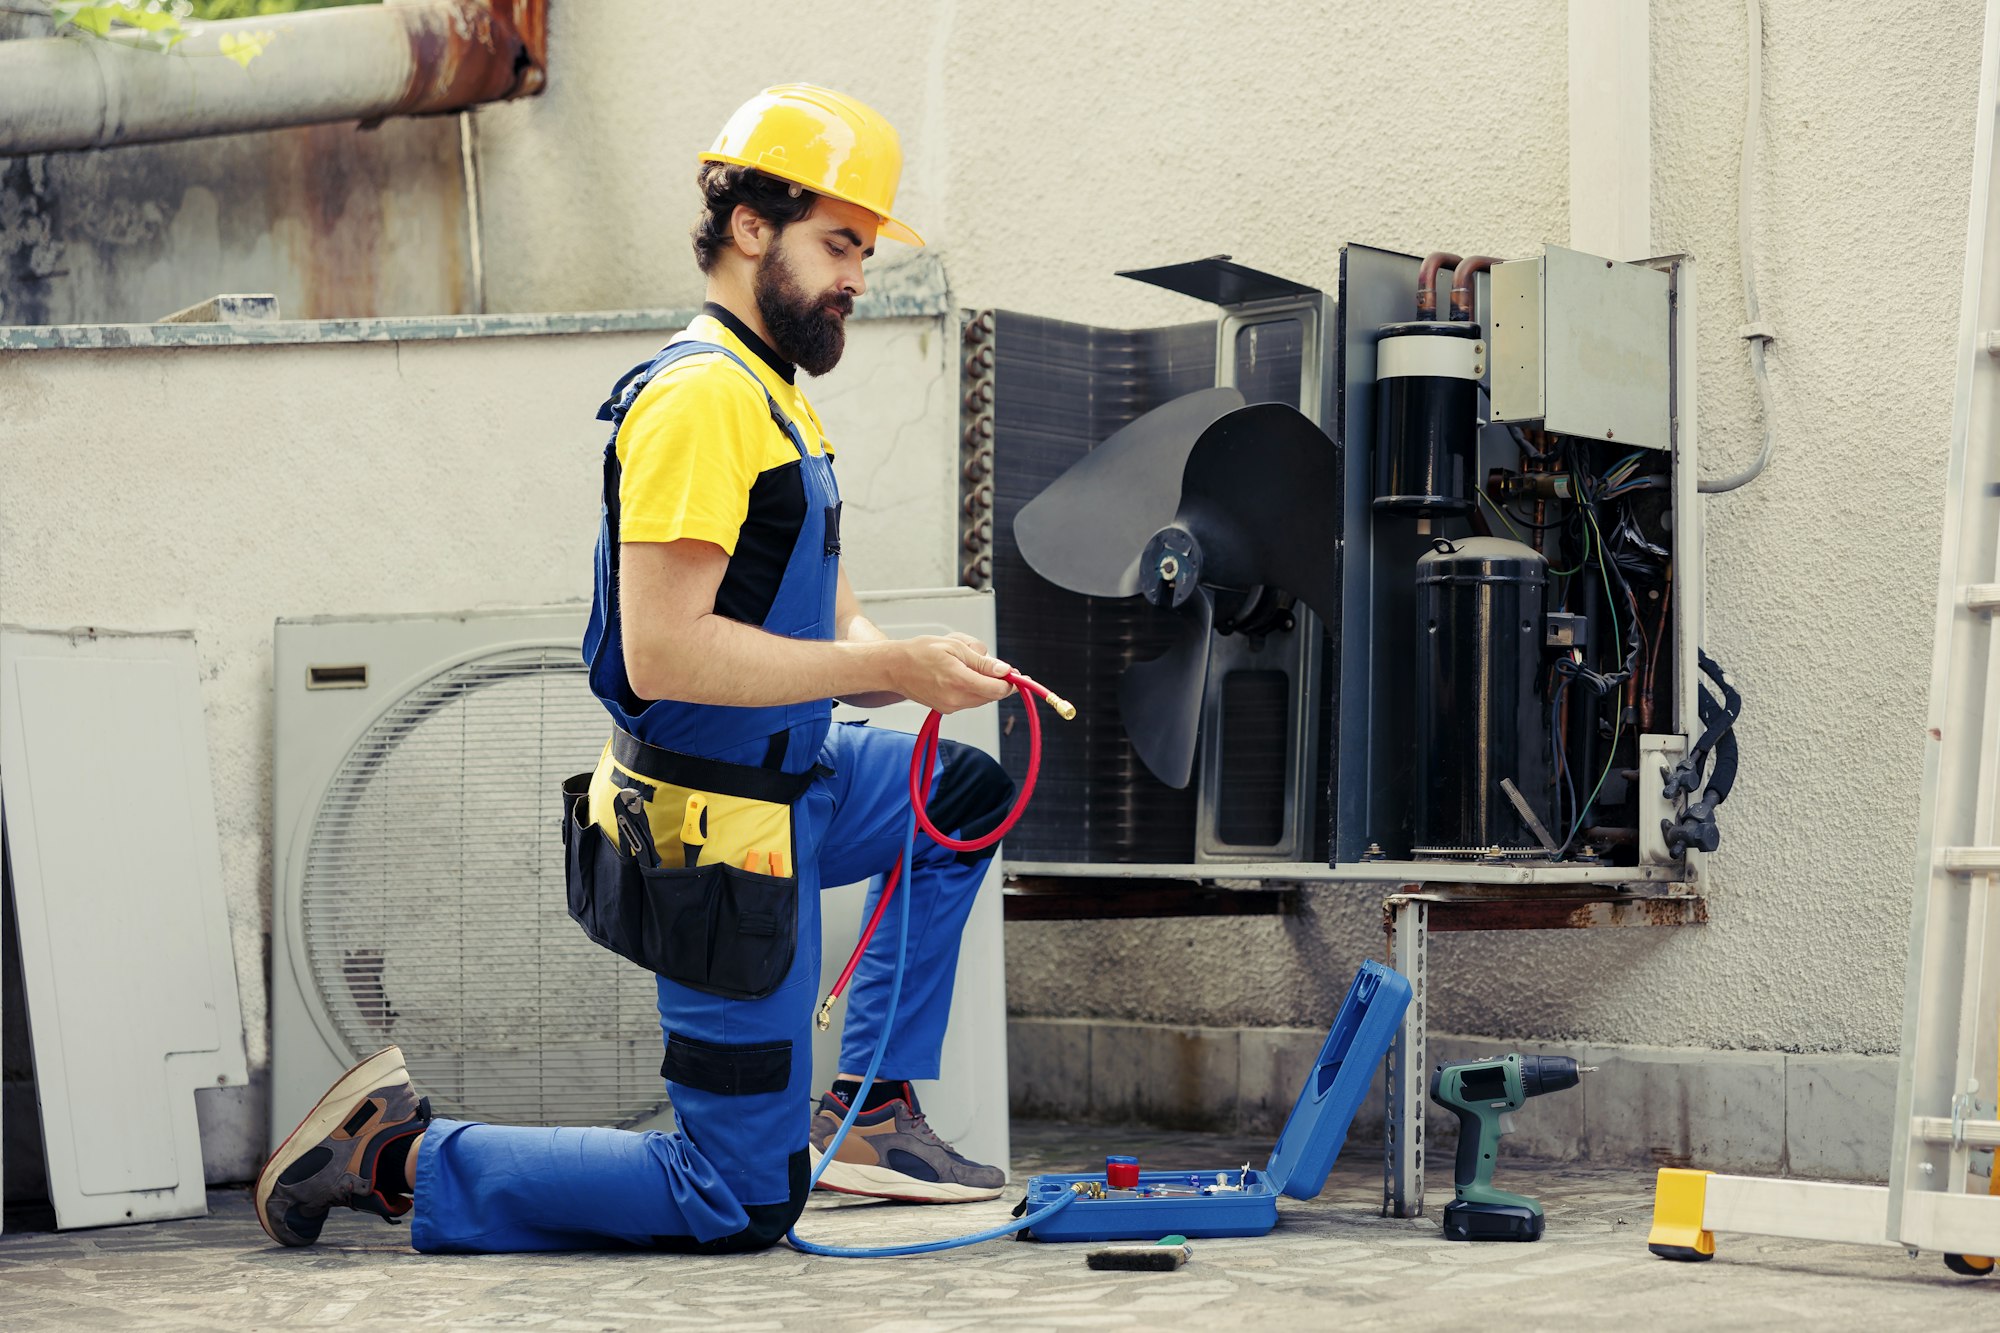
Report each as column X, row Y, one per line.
column 830, row 144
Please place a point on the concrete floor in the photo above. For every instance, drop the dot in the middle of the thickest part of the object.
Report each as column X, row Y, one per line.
column 1332, row 1261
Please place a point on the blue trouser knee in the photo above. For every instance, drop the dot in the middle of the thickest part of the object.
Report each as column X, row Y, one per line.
column 969, row 795
column 733, row 1175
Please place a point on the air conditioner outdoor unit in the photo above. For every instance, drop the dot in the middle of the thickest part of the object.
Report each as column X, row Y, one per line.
column 1352, row 584
column 418, row 892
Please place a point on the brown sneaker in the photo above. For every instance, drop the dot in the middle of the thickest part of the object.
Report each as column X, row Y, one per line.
column 331, row 1158
column 891, row 1153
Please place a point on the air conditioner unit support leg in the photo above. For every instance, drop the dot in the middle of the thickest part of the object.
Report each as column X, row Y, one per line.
column 1408, row 924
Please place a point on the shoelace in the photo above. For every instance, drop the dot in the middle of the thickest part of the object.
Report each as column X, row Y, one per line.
column 922, row 1128
column 916, row 1117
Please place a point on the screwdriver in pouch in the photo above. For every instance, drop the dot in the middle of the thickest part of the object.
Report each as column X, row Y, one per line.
column 694, row 829
column 633, row 830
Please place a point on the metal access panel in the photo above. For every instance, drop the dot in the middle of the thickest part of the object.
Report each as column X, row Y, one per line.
column 125, row 949
column 1580, row 347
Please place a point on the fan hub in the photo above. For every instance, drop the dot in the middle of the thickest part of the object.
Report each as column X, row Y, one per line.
column 1170, row 569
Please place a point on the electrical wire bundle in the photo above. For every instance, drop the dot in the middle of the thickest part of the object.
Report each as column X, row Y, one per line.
column 1627, row 557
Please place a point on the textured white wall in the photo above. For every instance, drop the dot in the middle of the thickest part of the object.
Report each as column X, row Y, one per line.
column 216, row 489
column 1046, row 144
column 1050, row 144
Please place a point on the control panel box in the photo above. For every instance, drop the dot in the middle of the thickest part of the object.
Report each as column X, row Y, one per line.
column 1580, row 348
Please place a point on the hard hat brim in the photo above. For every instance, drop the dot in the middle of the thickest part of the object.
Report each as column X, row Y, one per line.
column 893, row 228
column 898, row 230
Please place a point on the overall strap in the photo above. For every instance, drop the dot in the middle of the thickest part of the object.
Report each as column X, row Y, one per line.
column 626, row 392
column 634, row 381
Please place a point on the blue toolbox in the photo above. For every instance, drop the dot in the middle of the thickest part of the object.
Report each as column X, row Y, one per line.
column 1125, row 1203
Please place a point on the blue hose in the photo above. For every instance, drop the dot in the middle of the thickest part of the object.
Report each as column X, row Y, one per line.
column 868, row 1081
column 931, row 1247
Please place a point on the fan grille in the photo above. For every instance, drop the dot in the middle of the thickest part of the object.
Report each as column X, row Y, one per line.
column 434, row 909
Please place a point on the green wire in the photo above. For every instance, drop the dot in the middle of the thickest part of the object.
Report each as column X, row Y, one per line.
column 1604, row 574
column 1624, row 467
column 1502, row 516
column 1617, row 713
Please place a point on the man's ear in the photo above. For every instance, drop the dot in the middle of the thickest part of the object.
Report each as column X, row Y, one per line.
column 751, row 231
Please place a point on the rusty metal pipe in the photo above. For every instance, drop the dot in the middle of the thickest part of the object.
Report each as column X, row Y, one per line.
column 362, row 63
column 1427, row 301
column 1461, row 284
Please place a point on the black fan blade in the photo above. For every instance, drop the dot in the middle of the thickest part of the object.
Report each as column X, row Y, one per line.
column 1160, row 700
column 1085, row 532
column 1262, row 494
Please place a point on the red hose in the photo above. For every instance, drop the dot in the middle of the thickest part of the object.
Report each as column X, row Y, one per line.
column 922, row 760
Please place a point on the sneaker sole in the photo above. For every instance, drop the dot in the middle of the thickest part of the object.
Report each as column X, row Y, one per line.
column 329, row 1113
column 879, row 1182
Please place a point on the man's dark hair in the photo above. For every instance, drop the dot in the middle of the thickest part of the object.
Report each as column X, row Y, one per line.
column 723, row 187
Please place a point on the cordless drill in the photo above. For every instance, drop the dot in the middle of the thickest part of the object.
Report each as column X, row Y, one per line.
column 1484, row 1094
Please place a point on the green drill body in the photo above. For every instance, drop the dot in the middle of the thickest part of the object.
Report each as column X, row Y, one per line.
column 1481, row 1093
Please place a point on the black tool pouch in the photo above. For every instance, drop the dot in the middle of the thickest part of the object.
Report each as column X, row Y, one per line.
column 713, row 928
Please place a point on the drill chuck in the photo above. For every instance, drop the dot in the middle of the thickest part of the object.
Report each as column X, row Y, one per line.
column 1547, row 1073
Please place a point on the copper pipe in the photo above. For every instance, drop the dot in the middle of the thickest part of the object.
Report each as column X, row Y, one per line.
column 1461, row 284
column 1653, row 659
column 1427, row 301
column 1531, row 463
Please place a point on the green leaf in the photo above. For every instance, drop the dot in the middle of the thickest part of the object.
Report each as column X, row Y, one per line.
column 245, row 47
column 151, row 22
column 162, row 24
column 91, row 18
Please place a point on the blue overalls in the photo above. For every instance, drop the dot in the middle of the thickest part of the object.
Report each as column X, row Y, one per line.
column 790, row 804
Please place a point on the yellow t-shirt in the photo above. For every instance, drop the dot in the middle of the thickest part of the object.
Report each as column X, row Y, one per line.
column 700, row 456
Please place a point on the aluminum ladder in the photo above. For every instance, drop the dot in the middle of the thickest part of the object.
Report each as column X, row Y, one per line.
column 1945, row 1099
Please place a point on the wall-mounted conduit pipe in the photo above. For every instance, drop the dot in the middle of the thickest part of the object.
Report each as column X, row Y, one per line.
column 364, row 62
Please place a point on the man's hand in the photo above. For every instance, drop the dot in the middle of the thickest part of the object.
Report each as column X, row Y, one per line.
column 949, row 672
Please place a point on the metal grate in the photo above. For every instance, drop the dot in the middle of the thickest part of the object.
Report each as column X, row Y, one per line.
column 1256, row 724
column 1060, row 390
column 434, row 907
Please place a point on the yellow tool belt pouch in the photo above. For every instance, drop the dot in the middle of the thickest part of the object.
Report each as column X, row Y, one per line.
column 716, row 911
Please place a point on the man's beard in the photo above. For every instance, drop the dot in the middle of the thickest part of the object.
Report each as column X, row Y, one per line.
column 804, row 328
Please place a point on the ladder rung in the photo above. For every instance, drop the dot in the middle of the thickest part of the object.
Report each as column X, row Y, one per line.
column 1982, row 596
column 1969, row 860
column 1972, row 1133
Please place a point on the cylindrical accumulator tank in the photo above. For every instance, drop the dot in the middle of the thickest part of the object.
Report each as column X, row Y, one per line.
column 1480, row 710
column 1427, row 416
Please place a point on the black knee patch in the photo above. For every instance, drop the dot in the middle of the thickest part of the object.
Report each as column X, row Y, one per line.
column 741, row 1070
column 768, row 1221
column 972, row 795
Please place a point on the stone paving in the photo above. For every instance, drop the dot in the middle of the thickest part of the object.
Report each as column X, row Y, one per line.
column 1332, row 1262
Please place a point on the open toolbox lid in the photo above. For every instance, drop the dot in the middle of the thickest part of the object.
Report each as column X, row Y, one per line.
column 1362, row 1033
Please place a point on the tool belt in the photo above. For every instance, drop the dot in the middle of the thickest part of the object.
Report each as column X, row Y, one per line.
column 714, row 925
